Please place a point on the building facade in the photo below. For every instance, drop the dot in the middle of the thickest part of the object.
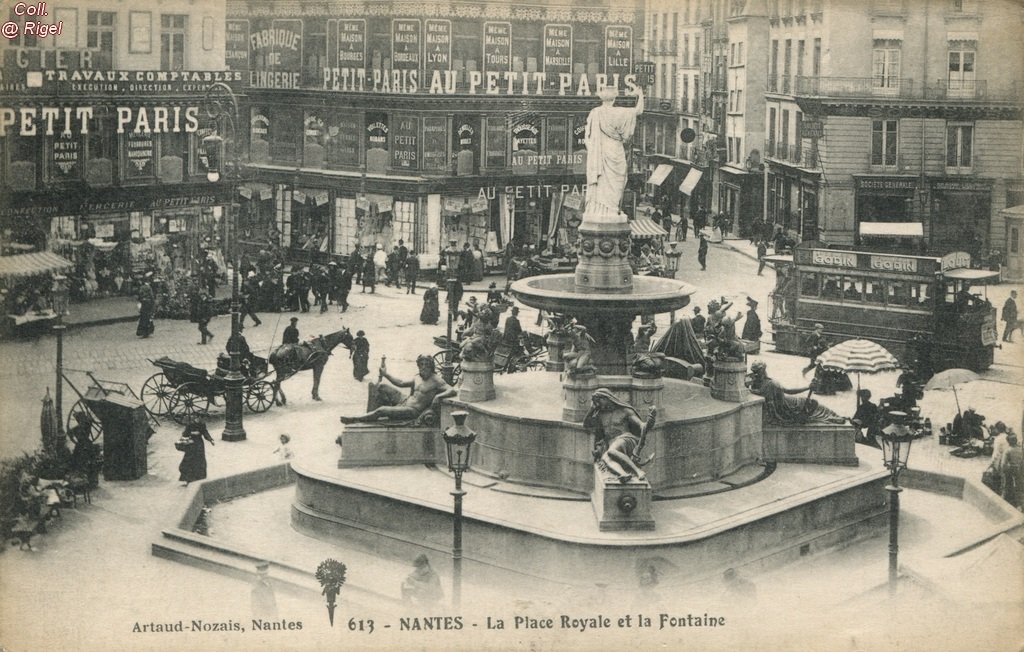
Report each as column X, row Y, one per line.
column 895, row 119
column 100, row 129
column 369, row 123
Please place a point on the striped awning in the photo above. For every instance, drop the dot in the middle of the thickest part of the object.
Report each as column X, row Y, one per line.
column 32, row 264
column 645, row 227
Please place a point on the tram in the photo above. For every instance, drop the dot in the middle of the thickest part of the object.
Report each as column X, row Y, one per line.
column 920, row 308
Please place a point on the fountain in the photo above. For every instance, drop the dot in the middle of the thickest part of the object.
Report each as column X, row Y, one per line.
column 715, row 494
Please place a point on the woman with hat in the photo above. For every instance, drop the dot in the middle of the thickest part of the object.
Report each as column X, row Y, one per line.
column 193, row 463
column 430, row 312
column 360, row 354
column 752, row 324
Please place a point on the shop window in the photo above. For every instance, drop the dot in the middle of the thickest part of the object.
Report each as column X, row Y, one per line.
column 527, row 48
column 496, row 143
column 314, row 52
column 101, row 151
column 403, row 225
column 831, row 286
column 314, row 134
column 21, row 39
column 174, row 157
column 959, row 146
column 378, row 32
column 99, row 36
column 173, row 28
column 883, row 142
column 467, row 44
column 21, row 166
column 310, row 219
column 1014, row 240
column 346, row 226
column 898, row 293
column 285, row 135
column 809, row 285
column 885, row 64
column 435, row 144
column 920, row 294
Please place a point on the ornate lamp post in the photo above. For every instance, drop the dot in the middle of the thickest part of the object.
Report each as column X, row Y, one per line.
column 221, row 104
column 895, row 440
column 59, row 295
column 451, row 257
column 458, row 439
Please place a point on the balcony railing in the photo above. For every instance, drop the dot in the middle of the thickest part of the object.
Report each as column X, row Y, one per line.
column 975, row 90
column 773, row 84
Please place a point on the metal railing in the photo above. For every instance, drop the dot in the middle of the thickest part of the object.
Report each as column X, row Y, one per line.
column 977, row 90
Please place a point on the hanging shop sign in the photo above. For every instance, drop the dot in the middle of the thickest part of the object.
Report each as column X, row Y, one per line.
column 618, row 50
column 236, row 44
column 405, row 39
column 435, row 143
column 352, row 43
column 497, row 46
column 558, row 48
column 405, row 143
column 112, row 200
column 376, row 130
column 437, row 47
column 65, row 154
column 404, row 81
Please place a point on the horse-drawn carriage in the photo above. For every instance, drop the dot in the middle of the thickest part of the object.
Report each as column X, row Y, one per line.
column 181, row 391
column 528, row 356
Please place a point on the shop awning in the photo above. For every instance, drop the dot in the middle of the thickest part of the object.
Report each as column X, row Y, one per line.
column 660, row 174
column 973, row 275
column 690, row 182
column 892, row 229
column 645, row 227
column 35, row 264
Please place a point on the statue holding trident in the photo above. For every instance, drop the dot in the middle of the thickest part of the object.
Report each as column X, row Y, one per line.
column 609, row 127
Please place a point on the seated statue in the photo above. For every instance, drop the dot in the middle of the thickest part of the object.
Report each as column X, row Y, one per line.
column 578, row 361
column 619, row 435
column 482, row 338
column 720, row 333
column 648, row 364
column 781, row 409
column 386, row 403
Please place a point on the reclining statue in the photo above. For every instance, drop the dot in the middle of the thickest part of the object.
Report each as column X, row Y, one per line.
column 620, row 435
column 386, row 403
column 781, row 409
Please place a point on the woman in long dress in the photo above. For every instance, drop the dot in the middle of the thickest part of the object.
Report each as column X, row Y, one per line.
column 360, row 356
column 193, row 463
column 431, row 311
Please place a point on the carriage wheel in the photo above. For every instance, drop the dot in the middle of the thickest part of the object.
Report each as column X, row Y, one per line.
column 259, row 396
column 157, row 394
column 536, row 365
column 189, row 401
column 439, row 358
column 95, row 428
column 456, row 375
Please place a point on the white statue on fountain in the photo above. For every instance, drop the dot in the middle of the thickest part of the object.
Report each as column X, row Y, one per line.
column 609, row 127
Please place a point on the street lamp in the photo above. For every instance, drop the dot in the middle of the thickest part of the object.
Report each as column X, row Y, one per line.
column 222, row 104
column 59, row 297
column 895, row 440
column 451, row 257
column 458, row 439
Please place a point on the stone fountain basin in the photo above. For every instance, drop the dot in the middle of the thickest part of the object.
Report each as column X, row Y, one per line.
column 558, row 293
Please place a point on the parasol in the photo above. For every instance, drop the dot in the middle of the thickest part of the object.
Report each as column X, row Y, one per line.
column 48, row 424
column 862, row 356
column 949, row 379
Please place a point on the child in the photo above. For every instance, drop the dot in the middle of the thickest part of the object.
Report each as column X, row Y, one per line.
column 284, row 451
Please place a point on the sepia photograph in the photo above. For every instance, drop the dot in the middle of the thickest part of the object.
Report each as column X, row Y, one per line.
column 490, row 325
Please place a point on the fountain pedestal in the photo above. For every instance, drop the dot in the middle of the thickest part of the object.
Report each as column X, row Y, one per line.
column 477, row 382
column 728, row 382
column 621, row 505
column 576, row 393
column 604, row 257
column 557, row 342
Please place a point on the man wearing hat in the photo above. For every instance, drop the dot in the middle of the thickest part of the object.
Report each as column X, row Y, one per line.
column 702, row 252
column 752, row 324
column 291, row 334
column 816, row 345
column 250, row 289
column 672, row 259
column 412, row 271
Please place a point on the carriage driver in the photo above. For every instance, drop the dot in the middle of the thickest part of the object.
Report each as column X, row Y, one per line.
column 428, row 388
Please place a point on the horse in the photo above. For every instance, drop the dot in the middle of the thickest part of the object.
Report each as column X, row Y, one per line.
column 289, row 359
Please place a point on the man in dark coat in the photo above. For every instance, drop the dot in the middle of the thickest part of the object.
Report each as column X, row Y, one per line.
column 203, row 311
column 291, row 334
column 369, row 275
column 321, row 288
column 466, row 264
column 1009, row 315
column 355, row 265
column 209, row 271
column 343, row 287
column 302, row 285
column 762, row 251
column 250, row 290
column 702, row 253
column 412, row 271
column 403, row 259
column 147, row 304
column 816, row 345
column 392, row 268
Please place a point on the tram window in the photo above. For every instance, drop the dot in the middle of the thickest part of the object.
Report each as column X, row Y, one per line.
column 874, row 291
column 899, row 293
column 853, row 289
column 809, row 285
column 831, row 287
column 920, row 293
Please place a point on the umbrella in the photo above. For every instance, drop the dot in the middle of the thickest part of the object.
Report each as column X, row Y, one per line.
column 48, row 424
column 949, row 379
column 862, row 356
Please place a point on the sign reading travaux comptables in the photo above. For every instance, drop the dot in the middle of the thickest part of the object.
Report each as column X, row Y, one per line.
column 135, row 82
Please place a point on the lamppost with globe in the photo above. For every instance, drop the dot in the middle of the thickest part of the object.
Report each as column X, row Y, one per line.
column 895, row 440
column 221, row 104
column 458, row 440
